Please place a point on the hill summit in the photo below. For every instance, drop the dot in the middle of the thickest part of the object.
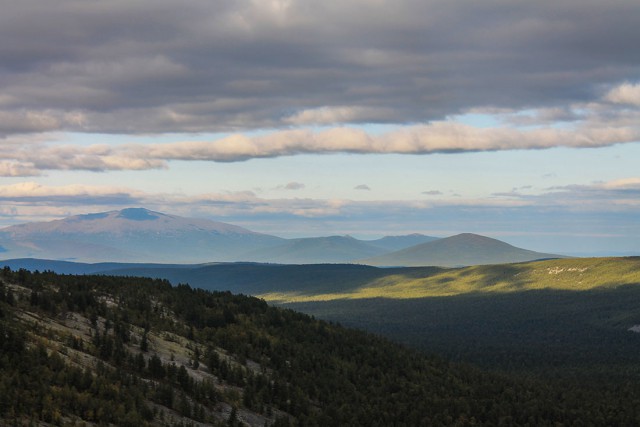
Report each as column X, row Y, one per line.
column 459, row 250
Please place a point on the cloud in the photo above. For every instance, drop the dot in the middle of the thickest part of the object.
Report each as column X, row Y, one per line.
column 31, row 158
column 294, row 186
column 620, row 195
column 15, row 169
column 27, row 121
column 32, row 192
column 67, row 198
column 436, row 137
column 336, row 115
column 613, row 187
column 362, row 187
column 546, row 116
column 432, row 193
column 161, row 66
column 623, row 183
column 597, row 127
column 626, row 93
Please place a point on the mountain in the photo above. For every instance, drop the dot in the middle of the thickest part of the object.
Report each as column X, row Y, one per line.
column 138, row 235
column 396, row 243
column 459, row 250
column 69, row 267
column 101, row 350
column 266, row 279
column 131, row 235
column 332, row 249
column 315, row 250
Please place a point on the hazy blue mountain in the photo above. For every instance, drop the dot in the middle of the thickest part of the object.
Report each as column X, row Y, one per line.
column 314, row 250
column 460, row 250
column 138, row 235
column 131, row 235
column 396, row 243
column 69, row 267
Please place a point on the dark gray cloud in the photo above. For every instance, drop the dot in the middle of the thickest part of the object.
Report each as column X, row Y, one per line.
column 166, row 66
column 362, row 187
column 432, row 193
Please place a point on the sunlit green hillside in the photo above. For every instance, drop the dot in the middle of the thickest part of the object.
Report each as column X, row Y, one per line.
column 577, row 274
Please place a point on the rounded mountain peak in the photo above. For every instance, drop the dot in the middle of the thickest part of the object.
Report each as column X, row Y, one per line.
column 138, row 214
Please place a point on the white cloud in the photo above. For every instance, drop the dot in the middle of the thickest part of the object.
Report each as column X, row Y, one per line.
column 449, row 136
column 29, row 189
column 626, row 93
column 436, row 137
column 593, row 124
column 623, row 183
column 620, row 195
column 335, row 115
column 17, row 169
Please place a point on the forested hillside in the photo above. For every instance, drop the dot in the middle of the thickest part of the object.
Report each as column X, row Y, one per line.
column 125, row 351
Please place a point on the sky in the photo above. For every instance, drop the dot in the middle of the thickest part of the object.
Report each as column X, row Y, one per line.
column 515, row 120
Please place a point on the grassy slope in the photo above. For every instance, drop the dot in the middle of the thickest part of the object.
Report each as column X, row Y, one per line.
column 575, row 274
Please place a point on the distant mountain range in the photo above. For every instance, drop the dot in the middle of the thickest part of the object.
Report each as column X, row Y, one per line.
column 396, row 243
column 138, row 235
column 315, row 250
column 333, row 249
